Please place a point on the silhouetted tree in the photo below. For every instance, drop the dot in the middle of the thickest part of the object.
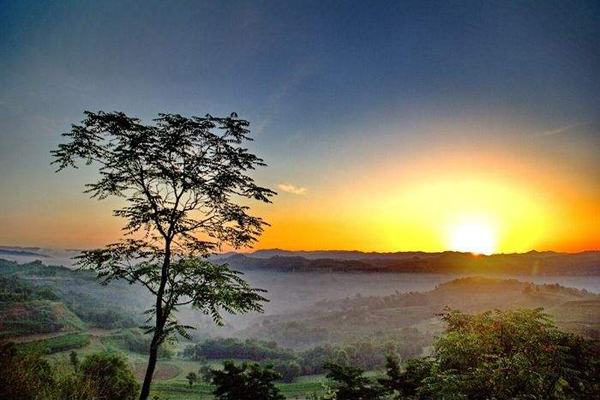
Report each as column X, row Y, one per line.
column 246, row 382
column 180, row 179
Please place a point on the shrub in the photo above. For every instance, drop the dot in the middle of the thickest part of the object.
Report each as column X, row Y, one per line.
column 23, row 376
column 246, row 382
column 111, row 375
column 504, row 355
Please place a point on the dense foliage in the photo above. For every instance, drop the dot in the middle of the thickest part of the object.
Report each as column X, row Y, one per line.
column 113, row 377
column 349, row 383
column 245, row 382
column 365, row 354
column 501, row 355
column 231, row 348
column 60, row 299
column 506, row 355
column 28, row 376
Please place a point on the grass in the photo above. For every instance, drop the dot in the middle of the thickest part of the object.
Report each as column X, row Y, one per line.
column 203, row 391
column 57, row 344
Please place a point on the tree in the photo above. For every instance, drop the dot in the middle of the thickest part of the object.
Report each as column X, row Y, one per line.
column 392, row 381
column 111, row 376
column 206, row 373
column 289, row 370
column 192, row 378
column 501, row 355
column 351, row 384
column 74, row 359
column 180, row 181
column 246, row 382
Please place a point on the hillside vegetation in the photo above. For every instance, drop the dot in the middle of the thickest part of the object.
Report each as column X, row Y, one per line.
column 415, row 316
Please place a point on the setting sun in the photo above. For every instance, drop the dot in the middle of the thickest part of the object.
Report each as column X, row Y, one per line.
column 473, row 237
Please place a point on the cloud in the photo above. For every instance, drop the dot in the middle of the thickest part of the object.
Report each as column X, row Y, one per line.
column 561, row 129
column 289, row 188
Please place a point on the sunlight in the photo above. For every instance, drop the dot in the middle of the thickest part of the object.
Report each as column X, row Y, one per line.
column 476, row 237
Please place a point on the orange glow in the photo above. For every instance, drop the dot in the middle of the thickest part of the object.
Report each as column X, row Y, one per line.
column 469, row 203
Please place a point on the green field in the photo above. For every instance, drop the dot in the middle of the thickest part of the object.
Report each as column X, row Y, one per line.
column 57, row 344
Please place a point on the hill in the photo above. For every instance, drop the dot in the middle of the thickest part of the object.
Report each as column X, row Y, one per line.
column 532, row 263
column 416, row 315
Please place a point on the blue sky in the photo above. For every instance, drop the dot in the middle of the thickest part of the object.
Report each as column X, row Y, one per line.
column 329, row 87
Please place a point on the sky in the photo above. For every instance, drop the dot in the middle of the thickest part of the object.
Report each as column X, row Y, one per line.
column 386, row 126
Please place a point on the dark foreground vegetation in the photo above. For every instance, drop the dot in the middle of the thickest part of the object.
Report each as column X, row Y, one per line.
column 493, row 355
column 26, row 375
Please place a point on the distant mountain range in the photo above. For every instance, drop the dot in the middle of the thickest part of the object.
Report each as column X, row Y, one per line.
column 338, row 254
column 20, row 253
column 531, row 263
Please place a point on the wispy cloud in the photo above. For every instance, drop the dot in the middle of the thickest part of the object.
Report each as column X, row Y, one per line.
column 562, row 129
column 289, row 188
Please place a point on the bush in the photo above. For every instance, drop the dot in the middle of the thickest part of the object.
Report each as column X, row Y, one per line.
column 246, row 382
column 23, row 376
column 111, row 375
column 504, row 355
column 350, row 384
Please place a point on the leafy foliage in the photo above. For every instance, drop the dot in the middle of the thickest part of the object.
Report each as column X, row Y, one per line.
column 350, row 384
column 504, row 355
column 112, row 375
column 23, row 376
column 231, row 348
column 192, row 378
column 245, row 382
column 27, row 376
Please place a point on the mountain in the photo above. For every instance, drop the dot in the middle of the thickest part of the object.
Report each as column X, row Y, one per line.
column 337, row 254
column 20, row 253
column 531, row 263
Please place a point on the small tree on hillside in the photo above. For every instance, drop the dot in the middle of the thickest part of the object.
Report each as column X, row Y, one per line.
column 192, row 378
column 180, row 179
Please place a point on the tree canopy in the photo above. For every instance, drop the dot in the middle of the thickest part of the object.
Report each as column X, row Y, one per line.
column 246, row 382
column 517, row 354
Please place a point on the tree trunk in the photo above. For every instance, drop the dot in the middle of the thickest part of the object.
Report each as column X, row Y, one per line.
column 161, row 319
column 151, row 366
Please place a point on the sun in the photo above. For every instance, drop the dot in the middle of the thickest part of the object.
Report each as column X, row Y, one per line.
column 475, row 237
